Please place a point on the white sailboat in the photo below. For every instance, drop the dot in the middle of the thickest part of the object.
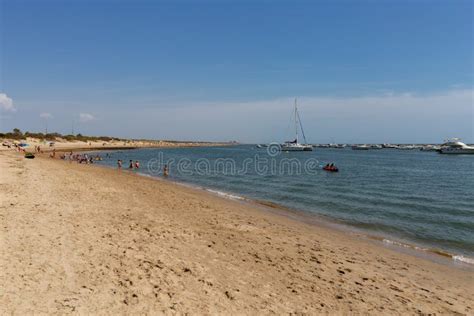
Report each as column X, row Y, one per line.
column 295, row 145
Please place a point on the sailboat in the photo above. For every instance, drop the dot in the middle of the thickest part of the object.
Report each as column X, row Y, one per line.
column 294, row 145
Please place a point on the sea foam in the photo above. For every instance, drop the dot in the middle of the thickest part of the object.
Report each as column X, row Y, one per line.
column 463, row 259
column 226, row 195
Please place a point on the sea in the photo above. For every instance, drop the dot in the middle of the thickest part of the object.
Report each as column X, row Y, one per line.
column 410, row 198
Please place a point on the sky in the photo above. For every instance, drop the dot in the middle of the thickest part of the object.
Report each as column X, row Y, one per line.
column 363, row 71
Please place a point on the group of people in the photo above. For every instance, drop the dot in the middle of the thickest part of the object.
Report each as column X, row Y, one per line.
column 20, row 148
column 80, row 158
column 89, row 159
column 330, row 167
column 132, row 165
column 135, row 165
column 17, row 147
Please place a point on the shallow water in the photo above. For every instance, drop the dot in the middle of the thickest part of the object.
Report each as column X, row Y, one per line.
column 410, row 196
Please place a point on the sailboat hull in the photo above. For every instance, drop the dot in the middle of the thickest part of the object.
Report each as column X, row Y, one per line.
column 296, row 147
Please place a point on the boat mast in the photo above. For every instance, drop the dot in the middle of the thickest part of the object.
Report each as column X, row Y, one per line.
column 296, row 122
column 302, row 130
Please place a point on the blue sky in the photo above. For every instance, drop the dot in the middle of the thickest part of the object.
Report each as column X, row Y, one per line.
column 365, row 71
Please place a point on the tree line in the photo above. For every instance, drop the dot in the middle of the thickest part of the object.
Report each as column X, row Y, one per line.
column 17, row 134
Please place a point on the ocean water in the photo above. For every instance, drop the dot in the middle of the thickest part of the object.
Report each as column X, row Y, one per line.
column 404, row 196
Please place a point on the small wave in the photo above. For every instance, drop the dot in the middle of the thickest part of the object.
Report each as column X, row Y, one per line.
column 463, row 259
column 400, row 244
column 459, row 258
column 226, row 195
column 145, row 175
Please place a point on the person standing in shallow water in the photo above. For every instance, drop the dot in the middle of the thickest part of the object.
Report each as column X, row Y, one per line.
column 165, row 171
column 119, row 164
column 137, row 164
column 130, row 166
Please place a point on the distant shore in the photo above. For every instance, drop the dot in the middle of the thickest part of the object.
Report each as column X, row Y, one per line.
column 64, row 145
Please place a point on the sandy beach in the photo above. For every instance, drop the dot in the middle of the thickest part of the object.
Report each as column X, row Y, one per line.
column 64, row 145
column 84, row 239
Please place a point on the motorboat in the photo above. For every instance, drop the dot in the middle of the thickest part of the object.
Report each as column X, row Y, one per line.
column 455, row 146
column 338, row 146
column 360, row 147
column 430, row 148
column 391, row 146
column 406, row 147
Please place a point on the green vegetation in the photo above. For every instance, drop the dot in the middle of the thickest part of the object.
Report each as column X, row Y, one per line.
column 16, row 134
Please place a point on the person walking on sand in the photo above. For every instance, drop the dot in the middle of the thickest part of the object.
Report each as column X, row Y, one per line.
column 119, row 164
column 137, row 164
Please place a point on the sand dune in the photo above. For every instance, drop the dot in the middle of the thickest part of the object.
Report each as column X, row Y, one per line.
column 84, row 239
column 63, row 145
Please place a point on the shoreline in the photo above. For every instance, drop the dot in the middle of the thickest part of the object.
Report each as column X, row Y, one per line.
column 100, row 240
column 437, row 255
column 458, row 261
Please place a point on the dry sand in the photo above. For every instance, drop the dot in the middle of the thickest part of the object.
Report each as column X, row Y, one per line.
column 84, row 239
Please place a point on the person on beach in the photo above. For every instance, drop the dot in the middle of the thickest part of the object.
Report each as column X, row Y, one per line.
column 130, row 166
column 119, row 164
column 137, row 164
column 165, row 171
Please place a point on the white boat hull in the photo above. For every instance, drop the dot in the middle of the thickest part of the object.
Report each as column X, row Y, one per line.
column 457, row 151
column 296, row 148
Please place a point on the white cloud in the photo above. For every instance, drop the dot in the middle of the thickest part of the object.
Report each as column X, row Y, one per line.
column 6, row 103
column 86, row 117
column 46, row 115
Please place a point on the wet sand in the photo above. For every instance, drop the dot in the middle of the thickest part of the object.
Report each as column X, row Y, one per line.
column 84, row 239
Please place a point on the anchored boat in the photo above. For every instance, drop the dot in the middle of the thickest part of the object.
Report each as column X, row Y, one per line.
column 295, row 145
column 455, row 146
